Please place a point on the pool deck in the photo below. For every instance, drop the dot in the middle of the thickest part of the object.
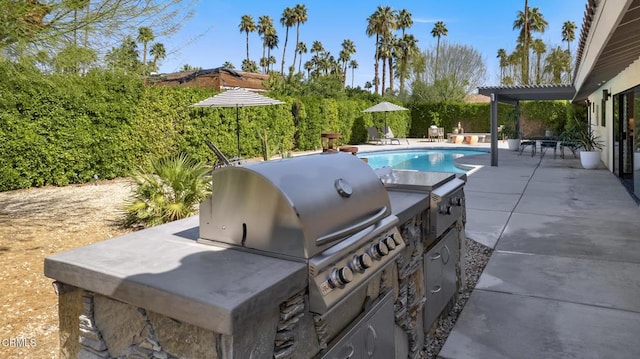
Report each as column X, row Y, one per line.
column 564, row 278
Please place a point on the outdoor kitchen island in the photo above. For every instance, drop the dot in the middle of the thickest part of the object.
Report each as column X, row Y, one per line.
column 165, row 292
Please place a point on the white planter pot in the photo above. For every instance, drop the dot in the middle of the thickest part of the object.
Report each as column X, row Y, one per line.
column 590, row 159
column 514, row 144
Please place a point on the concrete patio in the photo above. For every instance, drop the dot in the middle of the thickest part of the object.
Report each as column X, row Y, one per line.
column 564, row 280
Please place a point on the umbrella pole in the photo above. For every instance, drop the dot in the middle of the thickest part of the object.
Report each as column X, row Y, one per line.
column 238, row 129
column 384, row 130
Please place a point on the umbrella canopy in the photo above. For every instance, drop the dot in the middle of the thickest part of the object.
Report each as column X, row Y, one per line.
column 237, row 98
column 385, row 107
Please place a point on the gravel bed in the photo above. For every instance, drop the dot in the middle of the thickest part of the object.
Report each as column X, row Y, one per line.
column 476, row 258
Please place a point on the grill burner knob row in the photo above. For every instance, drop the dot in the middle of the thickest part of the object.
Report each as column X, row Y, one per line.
column 361, row 262
column 340, row 277
column 379, row 250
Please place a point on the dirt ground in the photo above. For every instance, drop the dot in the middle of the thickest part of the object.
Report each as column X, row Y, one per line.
column 34, row 224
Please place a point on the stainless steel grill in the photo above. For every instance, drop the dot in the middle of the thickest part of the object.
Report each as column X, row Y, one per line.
column 330, row 210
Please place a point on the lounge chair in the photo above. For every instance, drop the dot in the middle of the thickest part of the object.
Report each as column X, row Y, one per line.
column 374, row 136
column 388, row 135
column 222, row 160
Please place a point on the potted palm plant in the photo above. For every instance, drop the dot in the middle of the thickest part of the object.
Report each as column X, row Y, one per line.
column 590, row 148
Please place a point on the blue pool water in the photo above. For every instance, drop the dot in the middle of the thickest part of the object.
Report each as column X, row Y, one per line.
column 434, row 160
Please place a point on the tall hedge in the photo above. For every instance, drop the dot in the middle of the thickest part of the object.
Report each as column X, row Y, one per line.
column 535, row 116
column 62, row 129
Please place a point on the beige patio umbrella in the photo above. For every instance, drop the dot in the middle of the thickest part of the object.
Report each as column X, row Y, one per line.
column 385, row 107
column 237, row 98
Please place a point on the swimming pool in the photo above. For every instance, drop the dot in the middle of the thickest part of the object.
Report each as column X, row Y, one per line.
column 435, row 160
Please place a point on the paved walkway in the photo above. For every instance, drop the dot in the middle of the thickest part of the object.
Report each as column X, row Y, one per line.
column 564, row 280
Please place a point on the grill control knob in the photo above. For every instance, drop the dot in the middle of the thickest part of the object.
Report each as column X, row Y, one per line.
column 395, row 240
column 361, row 262
column 445, row 209
column 456, row 201
column 390, row 242
column 340, row 277
column 379, row 250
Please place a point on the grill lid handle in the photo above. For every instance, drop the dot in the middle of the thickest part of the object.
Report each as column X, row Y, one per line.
column 327, row 238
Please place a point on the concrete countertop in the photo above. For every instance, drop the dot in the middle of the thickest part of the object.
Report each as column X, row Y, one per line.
column 406, row 204
column 164, row 270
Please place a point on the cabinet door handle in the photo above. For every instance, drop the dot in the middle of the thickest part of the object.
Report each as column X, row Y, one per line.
column 435, row 256
column 351, row 351
column 438, row 289
column 448, row 255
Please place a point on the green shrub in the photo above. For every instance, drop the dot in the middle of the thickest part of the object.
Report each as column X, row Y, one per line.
column 171, row 191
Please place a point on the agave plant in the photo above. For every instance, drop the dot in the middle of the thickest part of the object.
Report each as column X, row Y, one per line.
column 171, row 191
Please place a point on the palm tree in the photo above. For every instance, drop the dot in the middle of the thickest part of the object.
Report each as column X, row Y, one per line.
column 272, row 61
column 407, row 49
column 439, row 30
column 557, row 62
column 249, row 66
column 353, row 64
column 228, row 65
column 300, row 12
column 158, row 52
column 145, row 35
column 348, row 49
column 528, row 21
column 404, row 20
column 247, row 25
column 301, row 48
column 539, row 48
column 188, row 68
column 568, row 35
column 272, row 42
column 265, row 28
column 502, row 55
column 372, row 23
column 308, row 65
column 316, row 47
column 392, row 44
column 287, row 20
column 380, row 23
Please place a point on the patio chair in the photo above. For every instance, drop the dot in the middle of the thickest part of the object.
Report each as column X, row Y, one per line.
column 440, row 134
column 530, row 142
column 573, row 146
column 432, row 133
column 546, row 144
column 388, row 134
column 374, row 136
column 222, row 160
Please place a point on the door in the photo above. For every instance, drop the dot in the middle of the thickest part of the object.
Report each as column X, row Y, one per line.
column 626, row 155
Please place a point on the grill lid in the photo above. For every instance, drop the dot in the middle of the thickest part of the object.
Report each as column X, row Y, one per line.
column 294, row 207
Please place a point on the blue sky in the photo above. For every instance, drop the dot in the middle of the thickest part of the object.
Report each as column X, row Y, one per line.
column 212, row 37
